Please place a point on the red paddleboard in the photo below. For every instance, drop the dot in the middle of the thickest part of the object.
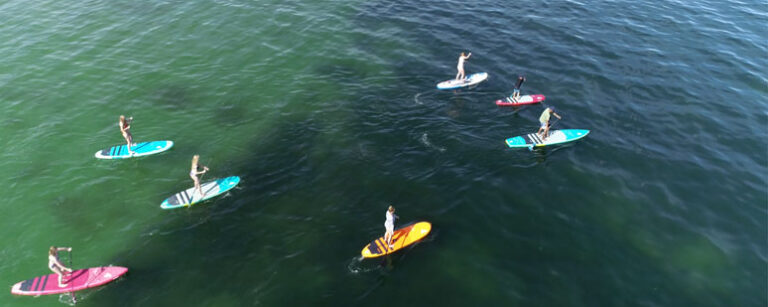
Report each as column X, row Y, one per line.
column 75, row 281
column 523, row 100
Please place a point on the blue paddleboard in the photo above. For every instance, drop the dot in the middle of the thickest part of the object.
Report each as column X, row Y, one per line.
column 139, row 150
column 468, row 81
column 555, row 137
column 190, row 196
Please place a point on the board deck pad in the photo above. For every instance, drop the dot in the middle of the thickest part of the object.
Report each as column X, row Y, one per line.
column 400, row 238
column 555, row 137
column 190, row 196
column 139, row 149
column 523, row 100
column 468, row 81
column 75, row 281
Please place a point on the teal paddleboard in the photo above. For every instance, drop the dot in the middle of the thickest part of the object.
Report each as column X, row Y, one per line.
column 470, row 80
column 555, row 137
column 190, row 196
column 139, row 150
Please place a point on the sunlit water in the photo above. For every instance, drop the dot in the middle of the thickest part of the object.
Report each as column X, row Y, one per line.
column 328, row 113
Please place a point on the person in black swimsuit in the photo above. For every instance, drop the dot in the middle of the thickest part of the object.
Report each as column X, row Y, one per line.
column 516, row 92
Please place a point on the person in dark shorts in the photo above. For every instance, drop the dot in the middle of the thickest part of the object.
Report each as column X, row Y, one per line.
column 516, row 92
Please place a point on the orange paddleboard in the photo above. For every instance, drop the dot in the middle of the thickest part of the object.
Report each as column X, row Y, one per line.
column 401, row 238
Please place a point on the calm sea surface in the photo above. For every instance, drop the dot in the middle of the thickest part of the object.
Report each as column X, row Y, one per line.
column 328, row 112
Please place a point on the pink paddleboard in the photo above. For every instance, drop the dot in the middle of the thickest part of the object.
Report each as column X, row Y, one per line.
column 523, row 100
column 75, row 281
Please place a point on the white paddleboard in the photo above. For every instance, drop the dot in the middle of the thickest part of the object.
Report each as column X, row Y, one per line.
column 468, row 81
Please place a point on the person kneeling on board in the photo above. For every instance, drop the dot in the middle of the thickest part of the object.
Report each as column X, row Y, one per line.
column 516, row 92
column 193, row 174
column 55, row 265
column 544, row 120
column 389, row 225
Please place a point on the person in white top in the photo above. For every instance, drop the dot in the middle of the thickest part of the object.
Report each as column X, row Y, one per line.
column 460, row 66
column 389, row 224
column 55, row 265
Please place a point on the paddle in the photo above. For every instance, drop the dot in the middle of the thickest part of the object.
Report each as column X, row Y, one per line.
column 553, row 124
column 205, row 168
column 74, row 298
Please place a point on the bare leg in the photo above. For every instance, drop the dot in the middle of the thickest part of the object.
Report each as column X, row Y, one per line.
column 58, row 271
column 460, row 74
column 64, row 269
column 198, row 187
column 129, row 139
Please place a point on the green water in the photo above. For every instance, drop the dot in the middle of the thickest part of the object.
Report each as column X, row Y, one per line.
column 328, row 113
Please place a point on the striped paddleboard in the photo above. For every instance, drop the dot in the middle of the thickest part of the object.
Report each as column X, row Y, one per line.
column 523, row 100
column 139, row 149
column 555, row 137
column 190, row 196
column 468, row 81
column 400, row 238
column 75, row 281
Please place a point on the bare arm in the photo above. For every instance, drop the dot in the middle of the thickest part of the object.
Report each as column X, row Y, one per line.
column 558, row 116
column 58, row 249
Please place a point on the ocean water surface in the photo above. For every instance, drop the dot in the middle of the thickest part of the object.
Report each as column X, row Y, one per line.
column 328, row 112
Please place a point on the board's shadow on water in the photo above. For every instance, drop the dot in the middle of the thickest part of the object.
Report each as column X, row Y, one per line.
column 177, row 254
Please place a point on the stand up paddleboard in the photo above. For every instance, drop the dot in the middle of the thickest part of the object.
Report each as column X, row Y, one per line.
column 139, row 150
column 523, row 100
column 555, row 137
column 468, row 81
column 401, row 238
column 190, row 196
column 75, row 281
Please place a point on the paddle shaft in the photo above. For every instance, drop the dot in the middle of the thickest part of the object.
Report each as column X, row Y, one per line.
column 74, row 298
column 553, row 124
column 203, row 174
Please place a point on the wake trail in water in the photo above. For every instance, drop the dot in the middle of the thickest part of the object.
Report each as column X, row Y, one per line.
column 425, row 140
column 357, row 266
column 416, row 97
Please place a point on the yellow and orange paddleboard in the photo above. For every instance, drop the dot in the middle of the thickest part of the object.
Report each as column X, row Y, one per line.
column 401, row 238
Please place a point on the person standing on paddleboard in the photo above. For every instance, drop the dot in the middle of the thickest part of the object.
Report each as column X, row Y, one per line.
column 544, row 120
column 516, row 92
column 389, row 225
column 460, row 66
column 125, row 125
column 55, row 265
column 193, row 174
